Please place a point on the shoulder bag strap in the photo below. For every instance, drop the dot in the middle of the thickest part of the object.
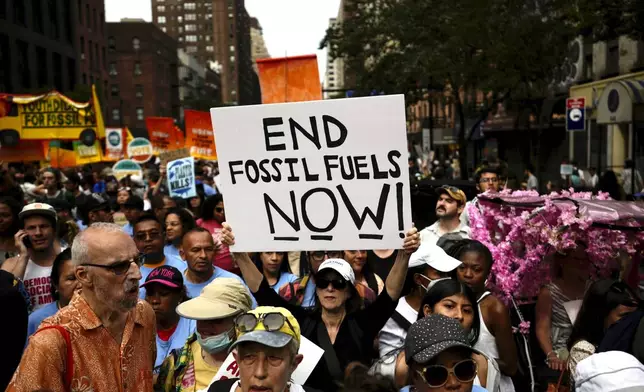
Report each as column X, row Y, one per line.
column 69, row 361
column 401, row 320
column 330, row 357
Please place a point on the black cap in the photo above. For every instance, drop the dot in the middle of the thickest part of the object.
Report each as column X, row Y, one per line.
column 134, row 202
column 432, row 335
column 93, row 202
column 60, row 204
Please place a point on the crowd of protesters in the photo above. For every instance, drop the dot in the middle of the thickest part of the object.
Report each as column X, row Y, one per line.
column 113, row 285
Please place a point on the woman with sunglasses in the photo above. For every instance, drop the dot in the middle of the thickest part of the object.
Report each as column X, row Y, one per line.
column 274, row 266
column 439, row 355
column 212, row 217
column 178, row 222
column 337, row 324
column 606, row 302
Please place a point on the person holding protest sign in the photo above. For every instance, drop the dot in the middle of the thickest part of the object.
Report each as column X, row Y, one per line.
column 164, row 291
column 193, row 367
column 275, row 268
column 337, row 324
column 212, row 216
column 178, row 221
column 268, row 342
column 368, row 284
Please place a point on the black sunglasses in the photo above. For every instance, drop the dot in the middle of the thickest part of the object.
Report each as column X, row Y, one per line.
column 332, row 254
column 272, row 322
column 120, row 267
column 323, row 283
column 436, row 376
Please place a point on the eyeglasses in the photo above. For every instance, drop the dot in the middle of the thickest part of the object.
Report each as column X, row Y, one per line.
column 332, row 254
column 491, row 180
column 120, row 267
column 144, row 236
column 272, row 322
column 436, row 376
column 323, row 283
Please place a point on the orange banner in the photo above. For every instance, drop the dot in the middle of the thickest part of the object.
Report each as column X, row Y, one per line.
column 24, row 151
column 60, row 155
column 289, row 79
column 161, row 134
column 180, row 137
column 200, row 138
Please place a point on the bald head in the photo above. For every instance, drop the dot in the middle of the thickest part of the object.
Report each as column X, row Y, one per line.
column 100, row 243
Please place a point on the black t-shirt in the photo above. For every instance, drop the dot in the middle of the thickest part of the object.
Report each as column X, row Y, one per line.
column 379, row 266
column 369, row 321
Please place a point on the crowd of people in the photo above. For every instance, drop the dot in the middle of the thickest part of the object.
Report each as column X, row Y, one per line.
column 113, row 285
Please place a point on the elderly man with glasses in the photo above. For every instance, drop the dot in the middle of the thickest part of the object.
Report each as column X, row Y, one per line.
column 266, row 351
column 104, row 340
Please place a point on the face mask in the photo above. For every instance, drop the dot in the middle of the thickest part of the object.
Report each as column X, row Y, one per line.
column 215, row 344
column 431, row 282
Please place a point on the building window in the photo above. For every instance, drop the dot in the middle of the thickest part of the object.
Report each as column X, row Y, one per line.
column 111, row 44
column 233, row 92
column 139, row 91
column 210, row 48
column 180, row 29
column 80, row 12
column 136, row 43
column 232, row 59
column 191, row 27
column 189, row 6
column 116, row 114
column 207, row 38
column 191, row 49
column 180, row 39
column 232, row 48
column 113, row 71
column 139, row 114
column 191, row 17
column 115, row 90
column 161, row 19
column 179, row 19
column 137, row 69
column 161, row 8
column 191, row 38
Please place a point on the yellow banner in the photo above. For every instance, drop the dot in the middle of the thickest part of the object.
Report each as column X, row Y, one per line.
column 87, row 154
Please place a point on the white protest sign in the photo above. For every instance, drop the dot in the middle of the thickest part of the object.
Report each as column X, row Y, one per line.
column 316, row 175
column 181, row 178
column 310, row 352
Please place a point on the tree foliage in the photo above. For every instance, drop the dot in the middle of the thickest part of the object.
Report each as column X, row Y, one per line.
column 509, row 50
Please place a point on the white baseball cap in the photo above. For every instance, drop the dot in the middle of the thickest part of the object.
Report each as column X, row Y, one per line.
column 611, row 371
column 42, row 209
column 433, row 256
column 340, row 266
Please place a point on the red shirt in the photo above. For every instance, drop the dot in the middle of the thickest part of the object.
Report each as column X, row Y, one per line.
column 166, row 334
column 222, row 259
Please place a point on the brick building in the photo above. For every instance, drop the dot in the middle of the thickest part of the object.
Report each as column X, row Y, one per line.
column 37, row 45
column 214, row 31
column 92, row 43
column 143, row 73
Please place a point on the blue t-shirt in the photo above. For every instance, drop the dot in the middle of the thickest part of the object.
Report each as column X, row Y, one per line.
column 128, row 229
column 39, row 315
column 194, row 289
column 185, row 329
column 172, row 251
column 145, row 271
column 285, row 277
column 309, row 294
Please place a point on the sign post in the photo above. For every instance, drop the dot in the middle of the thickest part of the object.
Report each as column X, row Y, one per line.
column 576, row 114
column 315, row 175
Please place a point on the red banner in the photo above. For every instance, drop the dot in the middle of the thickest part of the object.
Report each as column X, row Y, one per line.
column 200, row 138
column 161, row 134
column 289, row 79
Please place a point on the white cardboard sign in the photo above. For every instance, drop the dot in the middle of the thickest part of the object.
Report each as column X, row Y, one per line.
column 310, row 352
column 316, row 175
column 181, row 178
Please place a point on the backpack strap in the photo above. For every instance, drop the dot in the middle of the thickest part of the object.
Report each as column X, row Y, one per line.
column 69, row 361
column 401, row 320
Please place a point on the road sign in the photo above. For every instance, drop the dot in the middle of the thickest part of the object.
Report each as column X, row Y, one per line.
column 576, row 114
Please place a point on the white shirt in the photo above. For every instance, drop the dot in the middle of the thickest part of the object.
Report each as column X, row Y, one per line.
column 37, row 281
column 432, row 233
column 392, row 335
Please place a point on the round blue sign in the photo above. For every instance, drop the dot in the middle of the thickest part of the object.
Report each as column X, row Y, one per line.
column 114, row 139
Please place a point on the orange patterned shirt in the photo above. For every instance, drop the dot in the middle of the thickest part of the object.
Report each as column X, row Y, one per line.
column 100, row 363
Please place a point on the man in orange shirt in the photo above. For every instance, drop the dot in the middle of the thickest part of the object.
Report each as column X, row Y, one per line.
column 104, row 340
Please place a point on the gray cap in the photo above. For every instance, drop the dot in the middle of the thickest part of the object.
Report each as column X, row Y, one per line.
column 271, row 339
column 432, row 335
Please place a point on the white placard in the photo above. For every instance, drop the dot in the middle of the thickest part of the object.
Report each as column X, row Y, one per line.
column 317, row 175
column 181, row 178
column 310, row 352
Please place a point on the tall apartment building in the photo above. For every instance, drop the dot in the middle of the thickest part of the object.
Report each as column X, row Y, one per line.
column 199, row 86
column 258, row 46
column 143, row 71
column 331, row 80
column 214, row 31
column 92, row 43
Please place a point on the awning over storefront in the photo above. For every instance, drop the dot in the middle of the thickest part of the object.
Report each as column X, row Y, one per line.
column 617, row 101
